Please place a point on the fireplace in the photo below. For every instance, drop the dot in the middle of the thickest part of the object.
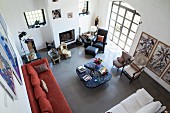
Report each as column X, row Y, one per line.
column 67, row 36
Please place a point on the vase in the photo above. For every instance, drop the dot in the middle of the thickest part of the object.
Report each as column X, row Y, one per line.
column 97, row 66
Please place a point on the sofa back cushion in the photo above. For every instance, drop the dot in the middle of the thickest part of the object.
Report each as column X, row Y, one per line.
column 38, row 92
column 143, row 97
column 31, row 70
column 152, row 107
column 131, row 104
column 45, row 105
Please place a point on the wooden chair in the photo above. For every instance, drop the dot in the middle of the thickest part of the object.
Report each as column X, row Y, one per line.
column 54, row 55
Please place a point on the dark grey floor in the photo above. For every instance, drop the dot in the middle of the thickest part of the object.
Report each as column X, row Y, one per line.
column 98, row 100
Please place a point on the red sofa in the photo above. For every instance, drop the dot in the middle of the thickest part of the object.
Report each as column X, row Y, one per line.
column 54, row 94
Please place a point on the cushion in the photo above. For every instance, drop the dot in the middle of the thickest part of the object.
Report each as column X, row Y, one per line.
column 100, row 38
column 143, row 97
column 38, row 92
column 45, row 105
column 41, row 68
column 152, row 107
column 31, row 70
column 35, row 80
column 44, row 86
column 121, row 59
column 131, row 104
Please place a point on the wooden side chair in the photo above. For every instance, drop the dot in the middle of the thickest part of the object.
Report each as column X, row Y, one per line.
column 54, row 55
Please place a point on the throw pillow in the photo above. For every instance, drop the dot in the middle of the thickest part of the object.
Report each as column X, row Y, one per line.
column 125, row 55
column 41, row 68
column 44, row 86
column 38, row 92
column 100, row 38
column 35, row 80
column 45, row 105
column 31, row 70
column 152, row 107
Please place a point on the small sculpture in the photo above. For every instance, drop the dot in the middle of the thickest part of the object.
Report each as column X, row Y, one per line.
column 97, row 21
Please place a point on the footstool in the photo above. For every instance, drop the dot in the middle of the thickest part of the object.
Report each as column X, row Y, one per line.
column 91, row 51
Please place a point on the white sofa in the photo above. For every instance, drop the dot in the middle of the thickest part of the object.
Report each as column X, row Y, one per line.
column 139, row 102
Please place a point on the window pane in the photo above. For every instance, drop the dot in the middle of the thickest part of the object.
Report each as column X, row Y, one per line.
column 129, row 15
column 123, row 38
column 129, row 42
column 118, row 27
column 116, row 3
column 127, row 5
column 112, row 23
column 110, row 35
column 121, row 44
column 131, row 35
column 136, row 19
column 125, row 31
column 115, row 39
column 127, row 23
column 120, row 19
column 127, row 48
column 113, row 16
column 122, row 11
column 116, row 33
column 115, row 8
column 111, row 29
column 134, row 27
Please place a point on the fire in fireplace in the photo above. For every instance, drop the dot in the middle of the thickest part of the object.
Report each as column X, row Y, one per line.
column 67, row 36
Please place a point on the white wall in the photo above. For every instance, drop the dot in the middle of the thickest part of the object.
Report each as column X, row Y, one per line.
column 86, row 21
column 63, row 24
column 7, row 104
column 13, row 13
column 155, row 17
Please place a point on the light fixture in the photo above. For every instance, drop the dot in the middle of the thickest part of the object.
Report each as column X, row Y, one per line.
column 93, row 29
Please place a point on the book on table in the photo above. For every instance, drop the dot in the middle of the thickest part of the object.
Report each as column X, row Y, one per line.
column 81, row 69
column 87, row 77
column 103, row 70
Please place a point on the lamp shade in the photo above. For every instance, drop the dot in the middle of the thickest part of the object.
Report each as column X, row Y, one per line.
column 93, row 29
column 140, row 59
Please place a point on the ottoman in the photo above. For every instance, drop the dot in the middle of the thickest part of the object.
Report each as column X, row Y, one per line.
column 91, row 51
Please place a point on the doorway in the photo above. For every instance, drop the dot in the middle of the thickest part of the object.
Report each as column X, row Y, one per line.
column 123, row 24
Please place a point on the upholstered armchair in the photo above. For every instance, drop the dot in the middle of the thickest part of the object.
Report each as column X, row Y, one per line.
column 64, row 50
column 54, row 55
column 100, row 39
column 122, row 61
column 134, row 70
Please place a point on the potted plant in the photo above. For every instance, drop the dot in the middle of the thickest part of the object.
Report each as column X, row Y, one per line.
column 98, row 61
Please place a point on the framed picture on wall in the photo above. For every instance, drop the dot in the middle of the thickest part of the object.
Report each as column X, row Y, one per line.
column 166, row 76
column 10, row 53
column 56, row 13
column 2, row 21
column 54, row 0
column 146, row 44
column 160, row 59
column 6, row 74
column 70, row 15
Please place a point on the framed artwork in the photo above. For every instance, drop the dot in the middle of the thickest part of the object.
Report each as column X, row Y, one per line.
column 10, row 53
column 54, row 0
column 146, row 44
column 56, row 13
column 160, row 59
column 166, row 76
column 6, row 74
column 2, row 22
column 70, row 15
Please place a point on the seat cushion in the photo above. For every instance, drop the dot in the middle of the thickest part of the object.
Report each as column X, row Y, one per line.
column 129, row 70
column 117, row 109
column 131, row 104
column 152, row 107
column 117, row 63
column 98, row 45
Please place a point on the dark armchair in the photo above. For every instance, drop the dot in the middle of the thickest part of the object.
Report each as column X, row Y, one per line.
column 100, row 39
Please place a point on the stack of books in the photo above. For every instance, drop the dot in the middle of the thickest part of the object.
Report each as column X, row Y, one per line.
column 103, row 70
column 81, row 69
column 87, row 77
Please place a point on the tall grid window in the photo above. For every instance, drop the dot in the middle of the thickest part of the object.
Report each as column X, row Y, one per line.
column 123, row 24
column 35, row 19
column 83, row 7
